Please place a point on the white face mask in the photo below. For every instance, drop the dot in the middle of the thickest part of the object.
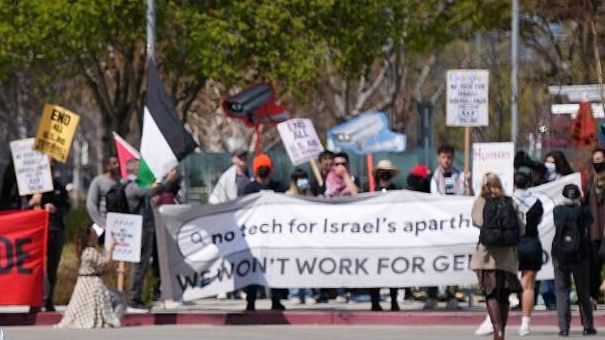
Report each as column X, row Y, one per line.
column 550, row 167
column 302, row 183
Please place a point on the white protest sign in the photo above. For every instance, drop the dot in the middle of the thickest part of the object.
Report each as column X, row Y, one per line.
column 395, row 239
column 300, row 140
column 126, row 229
column 32, row 167
column 467, row 98
column 496, row 158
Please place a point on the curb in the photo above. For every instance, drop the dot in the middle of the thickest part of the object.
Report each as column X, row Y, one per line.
column 405, row 318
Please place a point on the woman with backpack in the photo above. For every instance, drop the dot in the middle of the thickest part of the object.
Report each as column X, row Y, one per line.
column 495, row 260
column 570, row 254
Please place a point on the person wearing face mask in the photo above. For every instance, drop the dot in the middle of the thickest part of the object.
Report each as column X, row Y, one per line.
column 556, row 166
column 594, row 198
column 384, row 173
column 299, row 186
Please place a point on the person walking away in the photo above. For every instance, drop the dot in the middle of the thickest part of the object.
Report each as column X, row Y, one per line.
column 325, row 160
column 56, row 202
column 570, row 250
column 262, row 167
column 384, row 173
column 594, row 198
column 139, row 202
column 233, row 181
column 90, row 304
column 530, row 248
column 100, row 185
column 495, row 259
column 447, row 180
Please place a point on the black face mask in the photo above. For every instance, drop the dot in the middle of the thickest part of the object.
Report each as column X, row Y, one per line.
column 385, row 176
column 447, row 174
column 599, row 167
column 263, row 172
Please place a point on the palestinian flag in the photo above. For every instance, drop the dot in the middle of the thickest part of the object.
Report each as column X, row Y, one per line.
column 126, row 152
column 164, row 141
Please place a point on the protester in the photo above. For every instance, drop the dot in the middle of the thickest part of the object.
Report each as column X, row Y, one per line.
column 299, row 186
column 325, row 160
column 90, row 304
column 530, row 248
column 594, row 198
column 496, row 266
column 139, row 202
column 339, row 181
column 232, row 182
column 447, row 180
column 556, row 166
column 262, row 167
column 384, row 173
column 570, row 250
column 100, row 185
column 56, row 202
column 419, row 178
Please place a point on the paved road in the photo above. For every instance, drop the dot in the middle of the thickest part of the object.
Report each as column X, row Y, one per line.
column 271, row 332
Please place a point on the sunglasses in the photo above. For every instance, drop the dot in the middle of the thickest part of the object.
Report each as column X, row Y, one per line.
column 340, row 163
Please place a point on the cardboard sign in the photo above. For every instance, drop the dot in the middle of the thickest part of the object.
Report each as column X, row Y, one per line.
column 496, row 158
column 126, row 229
column 467, row 98
column 56, row 132
column 300, row 140
column 32, row 168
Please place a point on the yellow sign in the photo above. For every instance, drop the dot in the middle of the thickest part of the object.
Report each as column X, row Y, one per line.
column 56, row 132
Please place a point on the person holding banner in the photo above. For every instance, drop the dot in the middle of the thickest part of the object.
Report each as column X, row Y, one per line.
column 262, row 167
column 56, row 202
column 339, row 181
column 496, row 266
column 447, row 180
column 90, row 304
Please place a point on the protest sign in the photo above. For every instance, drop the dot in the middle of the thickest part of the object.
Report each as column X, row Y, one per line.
column 126, row 229
column 467, row 98
column 366, row 134
column 32, row 168
column 56, row 132
column 393, row 239
column 497, row 158
column 300, row 140
column 22, row 254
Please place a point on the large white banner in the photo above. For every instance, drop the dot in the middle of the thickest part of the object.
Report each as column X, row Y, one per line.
column 467, row 98
column 497, row 158
column 32, row 168
column 394, row 239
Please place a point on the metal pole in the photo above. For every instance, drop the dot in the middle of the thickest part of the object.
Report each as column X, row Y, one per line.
column 515, row 73
column 151, row 28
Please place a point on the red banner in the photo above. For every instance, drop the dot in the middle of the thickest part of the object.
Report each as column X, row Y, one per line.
column 22, row 253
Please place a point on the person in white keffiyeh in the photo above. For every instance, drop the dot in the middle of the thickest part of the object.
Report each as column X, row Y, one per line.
column 90, row 305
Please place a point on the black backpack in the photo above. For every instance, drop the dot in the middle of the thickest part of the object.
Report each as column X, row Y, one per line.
column 567, row 243
column 500, row 223
column 115, row 199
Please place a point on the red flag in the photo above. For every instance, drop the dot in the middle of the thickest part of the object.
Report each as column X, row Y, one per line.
column 22, row 253
column 125, row 153
column 583, row 128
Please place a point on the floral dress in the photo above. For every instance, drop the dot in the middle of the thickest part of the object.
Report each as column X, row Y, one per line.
column 90, row 303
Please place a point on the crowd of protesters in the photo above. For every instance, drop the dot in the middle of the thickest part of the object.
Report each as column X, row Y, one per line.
column 497, row 268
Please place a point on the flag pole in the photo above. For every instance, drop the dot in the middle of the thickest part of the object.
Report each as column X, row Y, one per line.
column 151, row 29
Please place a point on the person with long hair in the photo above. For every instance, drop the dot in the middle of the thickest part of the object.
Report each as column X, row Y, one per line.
column 90, row 304
column 530, row 247
column 496, row 266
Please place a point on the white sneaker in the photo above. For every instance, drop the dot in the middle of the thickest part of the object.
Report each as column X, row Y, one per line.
column 310, row 301
column 485, row 328
column 524, row 330
column 341, row 299
column 221, row 296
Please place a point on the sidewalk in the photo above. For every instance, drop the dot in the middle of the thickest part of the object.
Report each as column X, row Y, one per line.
column 231, row 312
